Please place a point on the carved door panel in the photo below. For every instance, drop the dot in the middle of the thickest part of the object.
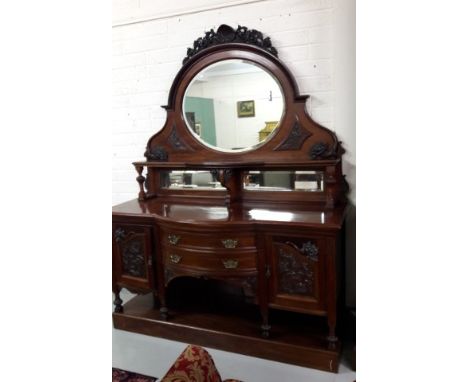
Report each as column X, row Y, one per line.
column 133, row 255
column 297, row 273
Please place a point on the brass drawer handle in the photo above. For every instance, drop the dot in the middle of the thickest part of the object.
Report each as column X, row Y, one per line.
column 230, row 243
column 173, row 239
column 230, row 263
column 175, row 258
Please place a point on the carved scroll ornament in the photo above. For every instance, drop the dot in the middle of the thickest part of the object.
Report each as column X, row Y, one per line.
column 322, row 150
column 226, row 34
column 157, row 153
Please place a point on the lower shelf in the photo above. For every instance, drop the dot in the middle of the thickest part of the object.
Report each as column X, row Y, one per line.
column 294, row 339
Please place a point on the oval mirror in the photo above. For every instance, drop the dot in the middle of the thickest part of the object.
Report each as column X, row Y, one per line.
column 233, row 105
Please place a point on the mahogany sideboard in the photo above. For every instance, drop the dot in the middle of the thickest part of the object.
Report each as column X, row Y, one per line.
column 263, row 217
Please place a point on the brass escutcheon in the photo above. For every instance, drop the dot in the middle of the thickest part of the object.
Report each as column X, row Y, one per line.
column 175, row 258
column 173, row 239
column 230, row 243
column 230, row 263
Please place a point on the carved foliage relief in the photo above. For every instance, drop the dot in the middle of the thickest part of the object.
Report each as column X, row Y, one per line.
column 132, row 252
column 156, row 153
column 176, row 142
column 295, row 139
column 296, row 268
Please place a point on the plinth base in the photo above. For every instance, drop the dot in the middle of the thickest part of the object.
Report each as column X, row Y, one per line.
column 235, row 327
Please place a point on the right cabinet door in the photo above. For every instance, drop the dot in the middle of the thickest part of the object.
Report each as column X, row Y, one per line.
column 296, row 271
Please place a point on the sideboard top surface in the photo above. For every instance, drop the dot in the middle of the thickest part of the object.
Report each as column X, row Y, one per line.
column 199, row 214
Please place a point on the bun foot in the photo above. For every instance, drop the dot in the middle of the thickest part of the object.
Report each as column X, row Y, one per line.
column 118, row 309
column 118, row 303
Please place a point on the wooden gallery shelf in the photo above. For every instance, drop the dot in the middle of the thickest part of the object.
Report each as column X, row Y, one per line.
column 292, row 337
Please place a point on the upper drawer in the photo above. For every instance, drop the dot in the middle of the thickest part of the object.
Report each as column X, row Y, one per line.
column 230, row 240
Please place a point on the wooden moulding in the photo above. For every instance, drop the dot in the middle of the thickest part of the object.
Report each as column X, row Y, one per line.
column 293, row 344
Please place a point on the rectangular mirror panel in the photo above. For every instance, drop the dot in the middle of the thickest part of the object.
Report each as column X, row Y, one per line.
column 310, row 181
column 190, row 179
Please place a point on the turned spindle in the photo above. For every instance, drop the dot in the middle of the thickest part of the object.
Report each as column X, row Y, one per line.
column 141, row 181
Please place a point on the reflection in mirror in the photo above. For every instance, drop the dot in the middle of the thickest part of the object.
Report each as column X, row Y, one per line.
column 233, row 105
column 184, row 212
column 200, row 180
column 284, row 181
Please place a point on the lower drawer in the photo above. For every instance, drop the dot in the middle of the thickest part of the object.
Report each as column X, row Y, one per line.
column 209, row 262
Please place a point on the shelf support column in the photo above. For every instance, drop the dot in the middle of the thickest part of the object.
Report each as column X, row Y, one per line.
column 141, row 181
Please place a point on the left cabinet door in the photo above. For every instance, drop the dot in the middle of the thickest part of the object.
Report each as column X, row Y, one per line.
column 132, row 250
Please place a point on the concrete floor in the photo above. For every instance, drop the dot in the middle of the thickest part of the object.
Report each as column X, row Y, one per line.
column 153, row 356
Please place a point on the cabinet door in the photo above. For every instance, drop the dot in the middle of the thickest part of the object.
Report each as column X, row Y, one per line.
column 133, row 255
column 297, row 273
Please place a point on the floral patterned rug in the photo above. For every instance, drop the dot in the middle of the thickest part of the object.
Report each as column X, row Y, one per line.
column 193, row 365
column 119, row 375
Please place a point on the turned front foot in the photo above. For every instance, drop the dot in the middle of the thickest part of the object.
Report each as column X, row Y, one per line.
column 332, row 338
column 163, row 312
column 265, row 324
column 118, row 303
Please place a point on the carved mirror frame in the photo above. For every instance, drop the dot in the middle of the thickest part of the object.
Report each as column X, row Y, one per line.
column 298, row 141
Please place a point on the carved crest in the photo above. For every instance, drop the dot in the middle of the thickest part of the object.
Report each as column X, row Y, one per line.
column 226, row 34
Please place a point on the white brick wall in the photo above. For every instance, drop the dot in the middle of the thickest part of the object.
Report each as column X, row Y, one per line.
column 148, row 54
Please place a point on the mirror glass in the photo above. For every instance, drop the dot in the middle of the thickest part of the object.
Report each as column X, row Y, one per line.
column 190, row 179
column 311, row 181
column 233, row 105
